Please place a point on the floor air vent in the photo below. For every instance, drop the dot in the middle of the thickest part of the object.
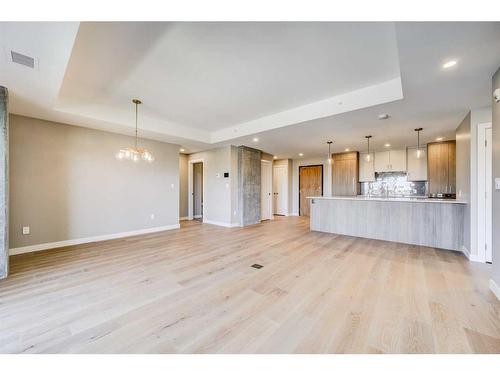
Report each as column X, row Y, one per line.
column 258, row 266
column 19, row 58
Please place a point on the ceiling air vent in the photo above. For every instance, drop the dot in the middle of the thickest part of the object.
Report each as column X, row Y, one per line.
column 19, row 58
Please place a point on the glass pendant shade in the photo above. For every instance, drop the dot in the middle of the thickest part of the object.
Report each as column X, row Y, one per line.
column 329, row 157
column 419, row 153
column 368, row 156
column 135, row 153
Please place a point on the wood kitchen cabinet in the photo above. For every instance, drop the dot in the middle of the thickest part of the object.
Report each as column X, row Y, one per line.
column 345, row 173
column 441, row 164
column 390, row 161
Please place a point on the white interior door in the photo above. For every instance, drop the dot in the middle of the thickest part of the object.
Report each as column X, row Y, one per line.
column 484, row 192
column 489, row 202
column 266, row 190
column 280, row 190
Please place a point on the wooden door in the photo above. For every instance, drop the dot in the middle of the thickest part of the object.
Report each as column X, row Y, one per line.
column 280, row 186
column 310, row 185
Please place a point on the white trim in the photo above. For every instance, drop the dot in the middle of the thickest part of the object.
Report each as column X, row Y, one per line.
column 293, row 214
column 221, row 223
column 183, row 218
column 197, row 216
column 271, row 198
column 471, row 257
column 78, row 241
column 190, row 186
column 481, row 190
column 495, row 288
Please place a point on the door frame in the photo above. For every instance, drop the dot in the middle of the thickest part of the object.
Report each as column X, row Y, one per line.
column 322, row 181
column 191, row 189
column 271, row 199
column 481, row 191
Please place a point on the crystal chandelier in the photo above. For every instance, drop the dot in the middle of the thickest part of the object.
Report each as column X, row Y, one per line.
column 135, row 153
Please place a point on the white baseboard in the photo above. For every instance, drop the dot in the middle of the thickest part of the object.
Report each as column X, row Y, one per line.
column 184, row 218
column 471, row 257
column 293, row 214
column 495, row 288
column 78, row 241
column 221, row 223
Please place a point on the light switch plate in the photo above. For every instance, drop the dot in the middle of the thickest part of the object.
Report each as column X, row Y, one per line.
column 497, row 183
column 26, row 230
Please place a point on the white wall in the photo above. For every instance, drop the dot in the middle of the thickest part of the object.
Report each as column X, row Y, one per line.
column 327, row 179
column 218, row 192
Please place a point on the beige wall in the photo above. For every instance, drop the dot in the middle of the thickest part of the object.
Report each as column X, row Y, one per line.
column 463, row 176
column 217, row 193
column 66, row 183
column 183, row 186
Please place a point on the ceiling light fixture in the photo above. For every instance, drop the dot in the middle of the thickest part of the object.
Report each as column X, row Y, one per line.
column 368, row 157
column 135, row 153
column 329, row 143
column 275, row 157
column 182, row 150
column 449, row 64
column 439, row 139
column 387, row 145
column 256, row 139
column 383, row 116
column 301, row 154
column 419, row 152
column 347, row 149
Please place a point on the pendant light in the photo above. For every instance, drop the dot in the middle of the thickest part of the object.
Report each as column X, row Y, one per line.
column 135, row 153
column 368, row 156
column 419, row 153
column 329, row 143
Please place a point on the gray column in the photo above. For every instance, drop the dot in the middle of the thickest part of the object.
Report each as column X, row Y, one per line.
column 4, row 184
column 249, row 185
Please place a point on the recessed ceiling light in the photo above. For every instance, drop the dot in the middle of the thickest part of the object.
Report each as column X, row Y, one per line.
column 449, row 64
column 182, row 150
column 383, row 116
column 387, row 145
column 347, row 149
column 301, row 154
column 439, row 139
column 275, row 157
column 256, row 139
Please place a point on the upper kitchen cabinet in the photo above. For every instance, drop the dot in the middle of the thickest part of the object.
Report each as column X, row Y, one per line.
column 417, row 166
column 441, row 167
column 345, row 173
column 366, row 168
column 390, row 161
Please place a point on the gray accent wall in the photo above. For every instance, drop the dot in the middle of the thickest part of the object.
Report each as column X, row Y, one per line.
column 249, row 177
column 4, row 184
column 496, row 174
column 67, row 184
column 463, row 177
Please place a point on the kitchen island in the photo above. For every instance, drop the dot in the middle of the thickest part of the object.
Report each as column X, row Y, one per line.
column 430, row 222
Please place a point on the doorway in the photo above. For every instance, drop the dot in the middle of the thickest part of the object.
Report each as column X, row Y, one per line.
column 484, row 192
column 310, row 185
column 198, row 191
column 266, row 187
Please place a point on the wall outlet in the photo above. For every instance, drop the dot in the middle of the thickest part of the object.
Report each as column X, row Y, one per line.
column 26, row 230
column 152, row 216
column 497, row 183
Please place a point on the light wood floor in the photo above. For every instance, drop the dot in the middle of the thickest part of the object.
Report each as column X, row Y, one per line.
column 193, row 291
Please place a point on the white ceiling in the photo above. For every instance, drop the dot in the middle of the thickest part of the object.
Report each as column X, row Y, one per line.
column 294, row 85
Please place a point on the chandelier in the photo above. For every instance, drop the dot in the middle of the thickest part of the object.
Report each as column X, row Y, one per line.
column 135, row 153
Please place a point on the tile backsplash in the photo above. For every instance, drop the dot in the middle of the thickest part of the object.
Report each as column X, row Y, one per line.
column 393, row 184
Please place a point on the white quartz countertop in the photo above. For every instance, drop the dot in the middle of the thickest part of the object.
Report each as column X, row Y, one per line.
column 394, row 199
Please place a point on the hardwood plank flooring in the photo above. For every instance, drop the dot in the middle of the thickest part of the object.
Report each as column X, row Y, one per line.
column 193, row 290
